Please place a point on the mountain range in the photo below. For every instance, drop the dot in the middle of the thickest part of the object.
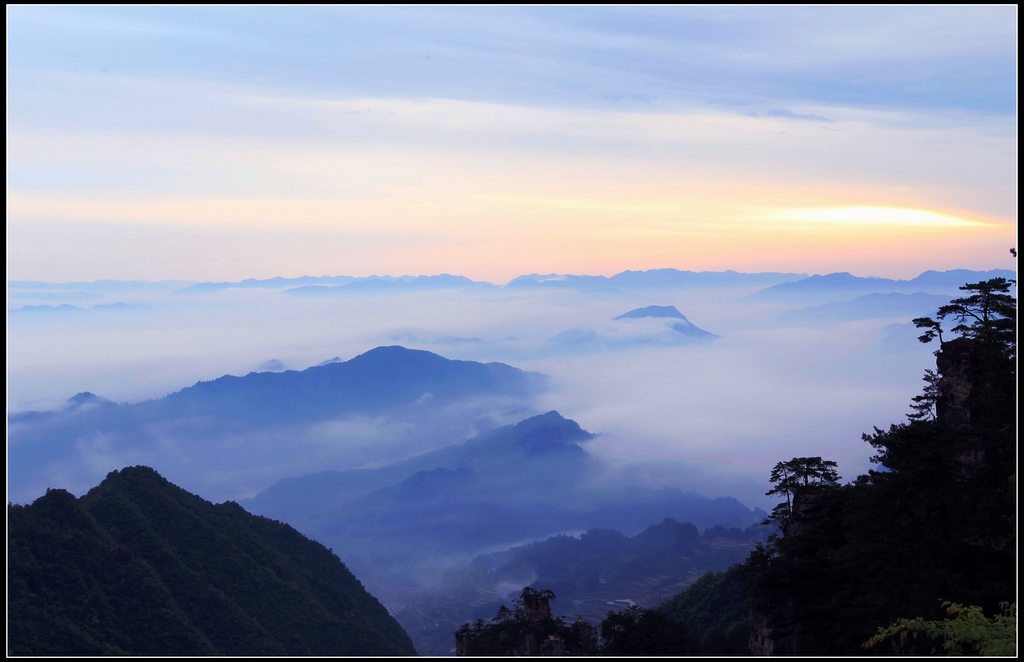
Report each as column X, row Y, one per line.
column 840, row 286
column 386, row 403
column 893, row 305
column 519, row 482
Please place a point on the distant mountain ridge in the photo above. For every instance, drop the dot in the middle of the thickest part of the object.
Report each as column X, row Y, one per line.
column 384, row 376
column 271, row 424
column 830, row 287
column 139, row 566
column 871, row 306
column 653, row 278
column 518, row 482
column 543, row 436
column 628, row 279
column 653, row 311
column 388, row 284
column 656, row 278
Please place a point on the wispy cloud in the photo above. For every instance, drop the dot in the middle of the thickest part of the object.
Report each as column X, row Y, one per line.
column 504, row 131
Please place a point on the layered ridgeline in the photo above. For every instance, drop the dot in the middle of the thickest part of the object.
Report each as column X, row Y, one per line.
column 139, row 566
column 435, row 504
column 592, row 573
column 516, row 483
column 384, row 404
column 915, row 557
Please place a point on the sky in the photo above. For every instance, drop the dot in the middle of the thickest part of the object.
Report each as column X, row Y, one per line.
column 223, row 143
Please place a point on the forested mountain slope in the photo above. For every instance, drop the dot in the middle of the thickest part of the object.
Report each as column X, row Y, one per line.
column 139, row 566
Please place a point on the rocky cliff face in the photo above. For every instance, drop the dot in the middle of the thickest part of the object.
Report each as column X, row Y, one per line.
column 892, row 543
column 954, row 362
column 530, row 631
column 781, row 628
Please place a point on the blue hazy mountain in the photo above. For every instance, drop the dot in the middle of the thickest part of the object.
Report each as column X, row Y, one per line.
column 65, row 308
column 317, row 286
column 389, row 402
column 104, row 291
column 839, row 286
column 652, row 325
column 48, row 294
column 518, row 482
column 276, row 283
column 102, row 286
column 47, row 309
column 389, row 285
column 653, row 278
column 653, row 311
column 683, row 326
column 871, row 306
column 376, row 380
column 306, row 498
column 272, row 365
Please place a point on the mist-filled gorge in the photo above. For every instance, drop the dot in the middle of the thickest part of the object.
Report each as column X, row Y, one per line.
column 413, row 430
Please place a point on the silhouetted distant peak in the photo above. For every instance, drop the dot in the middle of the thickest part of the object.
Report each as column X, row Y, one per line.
column 549, row 419
column 139, row 472
column 273, row 365
column 383, row 377
column 652, row 311
column 390, row 355
column 132, row 480
column 683, row 326
column 86, row 399
column 392, row 351
column 549, row 429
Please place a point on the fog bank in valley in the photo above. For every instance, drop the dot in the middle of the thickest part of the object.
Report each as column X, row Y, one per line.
column 708, row 417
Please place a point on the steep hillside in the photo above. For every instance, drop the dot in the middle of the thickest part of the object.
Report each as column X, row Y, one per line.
column 139, row 566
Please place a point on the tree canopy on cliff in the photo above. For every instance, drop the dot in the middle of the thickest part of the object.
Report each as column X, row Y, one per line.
column 936, row 521
column 988, row 314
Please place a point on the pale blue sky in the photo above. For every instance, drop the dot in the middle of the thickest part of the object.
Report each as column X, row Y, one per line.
column 227, row 142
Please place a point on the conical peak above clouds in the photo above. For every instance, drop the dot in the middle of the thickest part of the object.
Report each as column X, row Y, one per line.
column 85, row 398
column 684, row 326
column 648, row 326
column 653, row 311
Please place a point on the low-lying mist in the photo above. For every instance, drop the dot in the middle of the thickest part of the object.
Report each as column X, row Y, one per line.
column 711, row 418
